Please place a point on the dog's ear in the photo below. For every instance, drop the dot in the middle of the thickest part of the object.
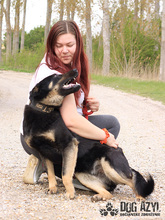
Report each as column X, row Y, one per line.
column 35, row 89
column 34, row 93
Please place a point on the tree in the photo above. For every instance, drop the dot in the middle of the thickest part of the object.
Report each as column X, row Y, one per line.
column 73, row 9
column 70, row 9
column 136, row 10
column 162, row 58
column 88, row 32
column 157, row 8
column 48, row 19
column 61, row 9
column 23, row 25
column 1, row 17
column 106, row 38
column 34, row 37
column 8, row 29
column 16, row 27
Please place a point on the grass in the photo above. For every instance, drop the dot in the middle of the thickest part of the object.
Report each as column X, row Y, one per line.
column 151, row 89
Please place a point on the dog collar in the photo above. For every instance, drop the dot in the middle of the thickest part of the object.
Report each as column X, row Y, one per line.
column 41, row 107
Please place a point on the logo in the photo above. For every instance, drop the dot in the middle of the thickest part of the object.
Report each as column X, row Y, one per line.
column 132, row 209
column 109, row 209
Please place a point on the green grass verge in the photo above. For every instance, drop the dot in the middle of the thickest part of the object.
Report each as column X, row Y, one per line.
column 152, row 89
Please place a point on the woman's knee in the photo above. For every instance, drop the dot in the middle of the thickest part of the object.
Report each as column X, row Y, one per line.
column 109, row 122
column 116, row 126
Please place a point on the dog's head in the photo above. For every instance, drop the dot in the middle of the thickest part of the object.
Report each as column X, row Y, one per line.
column 52, row 90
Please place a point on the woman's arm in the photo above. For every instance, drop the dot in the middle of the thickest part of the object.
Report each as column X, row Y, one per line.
column 78, row 124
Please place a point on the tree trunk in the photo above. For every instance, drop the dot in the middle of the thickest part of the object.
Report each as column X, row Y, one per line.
column 8, row 29
column 157, row 8
column 88, row 33
column 73, row 8
column 23, row 25
column 162, row 58
column 142, row 9
column 16, row 28
column 106, row 38
column 61, row 10
column 48, row 19
column 100, row 38
column 68, row 9
column 136, row 10
column 1, row 17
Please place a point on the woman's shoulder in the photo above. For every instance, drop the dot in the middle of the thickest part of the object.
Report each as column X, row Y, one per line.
column 41, row 73
column 44, row 71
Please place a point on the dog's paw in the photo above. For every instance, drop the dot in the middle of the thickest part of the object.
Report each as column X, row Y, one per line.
column 70, row 195
column 70, row 191
column 52, row 190
column 99, row 197
column 140, row 198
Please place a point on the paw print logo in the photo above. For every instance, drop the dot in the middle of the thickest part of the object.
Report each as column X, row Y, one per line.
column 109, row 209
column 114, row 212
column 109, row 206
column 103, row 212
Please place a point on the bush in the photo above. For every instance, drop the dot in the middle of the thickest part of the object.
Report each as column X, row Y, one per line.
column 134, row 49
column 26, row 61
column 34, row 37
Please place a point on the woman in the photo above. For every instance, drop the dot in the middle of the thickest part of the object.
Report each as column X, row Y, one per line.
column 64, row 52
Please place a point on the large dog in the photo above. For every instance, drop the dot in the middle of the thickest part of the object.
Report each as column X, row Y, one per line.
column 98, row 167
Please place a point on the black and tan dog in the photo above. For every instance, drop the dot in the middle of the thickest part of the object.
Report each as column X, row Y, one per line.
column 98, row 167
column 45, row 131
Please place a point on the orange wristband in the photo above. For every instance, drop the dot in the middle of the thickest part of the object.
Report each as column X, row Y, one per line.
column 107, row 136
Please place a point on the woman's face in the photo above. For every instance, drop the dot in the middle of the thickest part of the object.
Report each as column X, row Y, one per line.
column 65, row 47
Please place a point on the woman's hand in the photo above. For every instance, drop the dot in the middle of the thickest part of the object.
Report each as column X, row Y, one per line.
column 93, row 104
column 111, row 141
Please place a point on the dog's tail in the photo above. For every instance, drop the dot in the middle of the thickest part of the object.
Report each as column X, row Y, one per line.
column 143, row 187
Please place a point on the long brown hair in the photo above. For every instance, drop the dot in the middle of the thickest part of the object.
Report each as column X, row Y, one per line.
column 80, row 61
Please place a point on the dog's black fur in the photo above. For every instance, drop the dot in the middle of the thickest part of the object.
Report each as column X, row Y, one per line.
column 98, row 167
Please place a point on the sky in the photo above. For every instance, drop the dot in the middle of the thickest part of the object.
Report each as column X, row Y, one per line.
column 36, row 16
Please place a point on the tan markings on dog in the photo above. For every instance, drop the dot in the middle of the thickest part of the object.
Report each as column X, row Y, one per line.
column 53, row 98
column 114, row 176
column 138, row 197
column 48, row 135
column 27, row 140
column 51, row 176
column 35, row 89
column 97, row 168
column 69, row 162
column 50, row 85
column 93, row 182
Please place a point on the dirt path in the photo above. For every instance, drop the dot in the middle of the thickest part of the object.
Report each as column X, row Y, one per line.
column 142, row 137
